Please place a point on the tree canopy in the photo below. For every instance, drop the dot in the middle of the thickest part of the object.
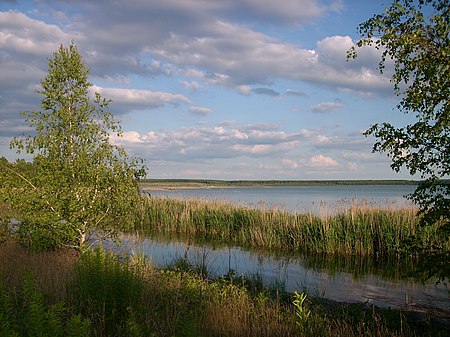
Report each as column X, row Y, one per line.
column 415, row 36
column 81, row 182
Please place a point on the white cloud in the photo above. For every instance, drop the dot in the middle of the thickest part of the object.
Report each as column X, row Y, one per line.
column 290, row 163
column 213, row 142
column 196, row 44
column 353, row 166
column 21, row 34
column 321, row 161
column 322, row 139
column 202, row 36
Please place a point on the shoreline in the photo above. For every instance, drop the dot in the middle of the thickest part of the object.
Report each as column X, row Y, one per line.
column 185, row 184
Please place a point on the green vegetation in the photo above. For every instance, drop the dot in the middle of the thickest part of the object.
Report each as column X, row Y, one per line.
column 357, row 231
column 94, row 294
column 414, row 35
column 78, row 181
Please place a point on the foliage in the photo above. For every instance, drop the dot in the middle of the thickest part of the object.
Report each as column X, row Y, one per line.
column 79, row 180
column 26, row 313
column 414, row 35
column 301, row 311
column 106, row 290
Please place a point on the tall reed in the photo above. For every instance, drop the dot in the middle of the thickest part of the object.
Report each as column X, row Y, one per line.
column 362, row 231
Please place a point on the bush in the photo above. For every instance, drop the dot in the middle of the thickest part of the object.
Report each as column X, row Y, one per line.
column 108, row 291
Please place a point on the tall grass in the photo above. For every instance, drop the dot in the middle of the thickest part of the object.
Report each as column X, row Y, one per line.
column 358, row 231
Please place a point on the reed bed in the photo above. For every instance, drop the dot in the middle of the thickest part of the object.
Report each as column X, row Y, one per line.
column 361, row 231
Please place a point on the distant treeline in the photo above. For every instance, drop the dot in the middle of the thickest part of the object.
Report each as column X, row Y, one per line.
column 276, row 182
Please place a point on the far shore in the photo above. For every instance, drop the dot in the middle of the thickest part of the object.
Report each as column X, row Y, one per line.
column 181, row 184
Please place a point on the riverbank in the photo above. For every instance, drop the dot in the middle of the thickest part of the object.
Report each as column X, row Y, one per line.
column 95, row 294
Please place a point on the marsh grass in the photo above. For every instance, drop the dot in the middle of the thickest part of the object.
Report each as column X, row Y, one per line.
column 357, row 231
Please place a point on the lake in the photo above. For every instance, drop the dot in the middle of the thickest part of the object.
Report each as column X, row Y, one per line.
column 320, row 200
column 345, row 279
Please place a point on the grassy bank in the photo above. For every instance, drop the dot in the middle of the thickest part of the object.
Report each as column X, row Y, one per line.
column 95, row 294
column 357, row 231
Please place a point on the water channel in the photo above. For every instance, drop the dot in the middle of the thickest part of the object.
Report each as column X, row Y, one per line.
column 344, row 280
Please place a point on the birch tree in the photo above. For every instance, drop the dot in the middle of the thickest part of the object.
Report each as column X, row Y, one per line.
column 82, row 182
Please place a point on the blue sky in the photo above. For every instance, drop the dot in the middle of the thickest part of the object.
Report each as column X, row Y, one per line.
column 230, row 89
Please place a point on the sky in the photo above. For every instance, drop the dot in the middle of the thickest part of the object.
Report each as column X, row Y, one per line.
column 214, row 89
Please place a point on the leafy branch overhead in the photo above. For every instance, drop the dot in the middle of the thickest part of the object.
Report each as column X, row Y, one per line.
column 82, row 181
column 415, row 36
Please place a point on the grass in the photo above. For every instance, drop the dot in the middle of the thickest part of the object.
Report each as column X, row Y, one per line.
column 97, row 294
column 358, row 231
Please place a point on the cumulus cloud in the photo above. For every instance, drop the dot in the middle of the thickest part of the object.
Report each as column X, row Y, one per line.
column 322, row 161
column 290, row 163
column 21, row 35
column 261, row 152
column 214, row 142
column 290, row 12
column 256, row 58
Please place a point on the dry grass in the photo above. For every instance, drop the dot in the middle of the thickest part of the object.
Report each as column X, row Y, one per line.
column 52, row 271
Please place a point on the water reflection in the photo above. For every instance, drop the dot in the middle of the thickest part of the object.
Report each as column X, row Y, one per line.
column 339, row 279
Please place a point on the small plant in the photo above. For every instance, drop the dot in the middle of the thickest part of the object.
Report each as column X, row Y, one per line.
column 301, row 311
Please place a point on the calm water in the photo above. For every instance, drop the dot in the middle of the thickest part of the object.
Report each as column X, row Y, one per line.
column 318, row 199
column 339, row 280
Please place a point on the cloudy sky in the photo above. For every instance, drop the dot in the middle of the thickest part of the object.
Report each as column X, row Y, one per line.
column 220, row 89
